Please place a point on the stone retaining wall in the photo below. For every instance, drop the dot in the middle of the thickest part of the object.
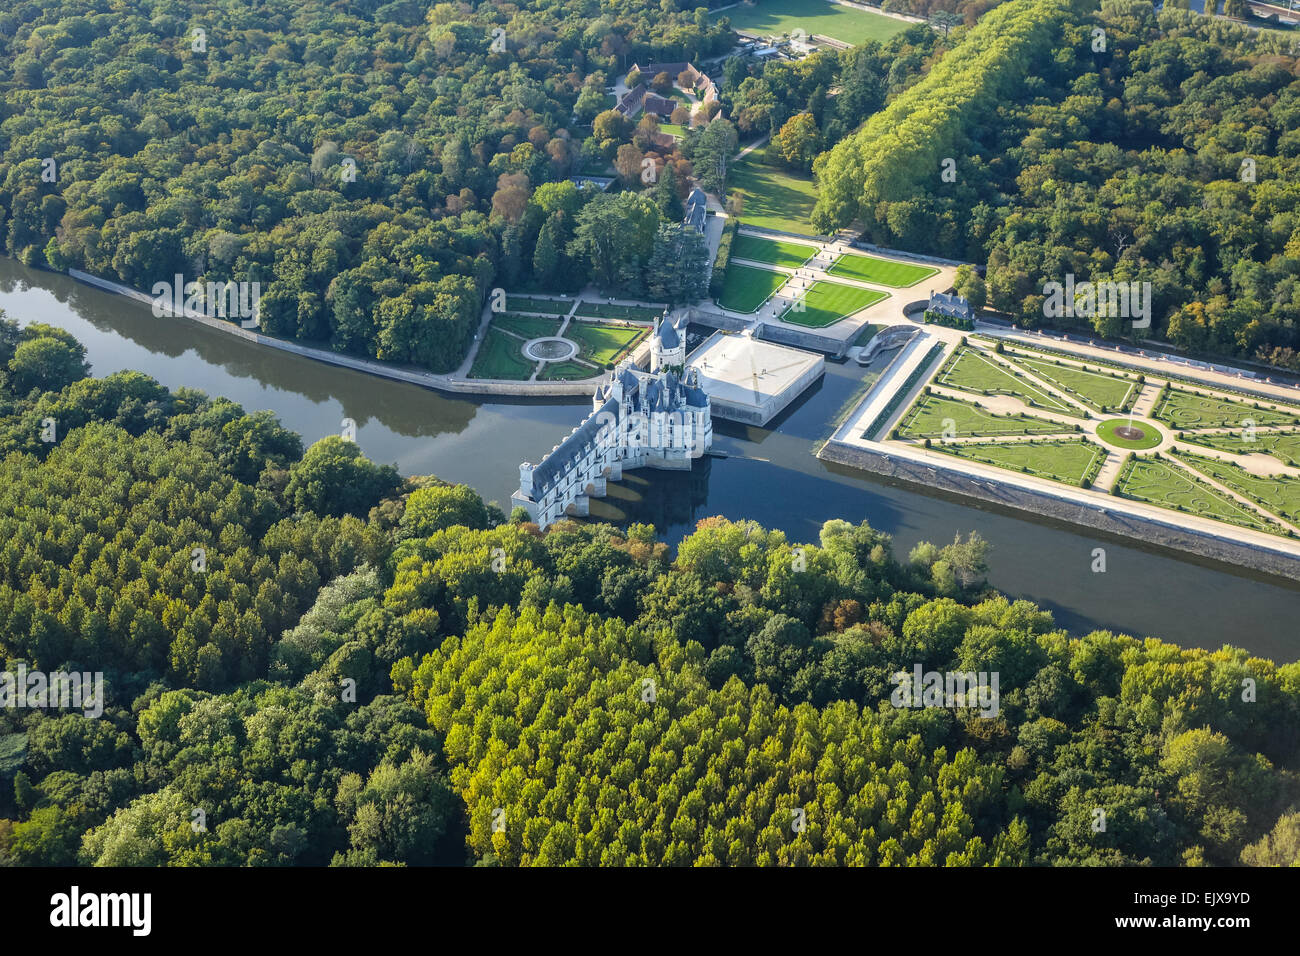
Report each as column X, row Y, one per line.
column 441, row 383
column 1122, row 525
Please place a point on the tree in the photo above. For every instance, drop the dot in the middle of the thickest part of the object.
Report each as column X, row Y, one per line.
column 667, row 197
column 46, row 363
column 679, row 266
column 628, row 164
column 799, row 140
column 712, row 155
column 609, row 129
column 434, row 508
column 335, row 478
column 614, row 236
column 969, row 284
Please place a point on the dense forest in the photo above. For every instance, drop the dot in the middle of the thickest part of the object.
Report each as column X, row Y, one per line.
column 365, row 163
column 366, row 668
column 1136, row 147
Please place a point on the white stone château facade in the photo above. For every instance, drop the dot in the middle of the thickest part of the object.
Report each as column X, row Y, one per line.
column 639, row 419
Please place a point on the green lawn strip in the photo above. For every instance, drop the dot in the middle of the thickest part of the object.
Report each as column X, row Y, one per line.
column 526, row 326
column 524, row 303
column 1101, row 391
column 609, row 310
column 1279, row 494
column 1072, row 461
column 867, row 333
column 567, row 372
column 1159, row 483
column 1163, row 374
column 773, row 197
column 778, row 252
column 926, row 420
column 747, row 287
column 1183, row 409
column 898, row 275
column 848, row 24
column 918, row 374
column 603, row 344
column 825, row 303
column 971, row 371
column 1284, row 446
column 499, row 356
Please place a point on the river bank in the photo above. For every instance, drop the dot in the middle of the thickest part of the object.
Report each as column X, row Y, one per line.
column 769, row 475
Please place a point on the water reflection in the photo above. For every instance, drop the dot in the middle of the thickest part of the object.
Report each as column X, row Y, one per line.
column 769, row 474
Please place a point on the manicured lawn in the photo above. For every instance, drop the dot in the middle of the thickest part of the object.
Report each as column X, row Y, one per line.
column 524, row 303
column 567, row 371
column 672, row 129
column 774, row 197
column 499, row 356
column 1279, row 494
column 1098, row 390
column 1189, row 410
column 526, row 326
column 972, row 371
column 825, row 303
column 928, row 416
column 1284, row 446
column 1169, row 486
column 898, row 275
column 814, row 17
column 629, row 313
column 1109, row 433
column 603, row 344
column 747, row 287
column 779, row 252
column 868, row 333
column 1067, row 461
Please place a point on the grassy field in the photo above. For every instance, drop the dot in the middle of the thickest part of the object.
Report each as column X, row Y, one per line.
column 1188, row 410
column 524, row 303
column 814, row 17
column 927, row 418
column 773, row 196
column 746, row 287
column 1066, row 461
column 526, row 326
column 603, row 344
column 1284, row 446
column 566, row 372
column 898, row 275
column 499, row 356
column 972, row 371
column 1280, row 494
column 779, row 252
column 1161, row 483
column 1150, row 435
column 672, row 129
column 868, row 333
column 825, row 303
column 627, row 313
column 1098, row 390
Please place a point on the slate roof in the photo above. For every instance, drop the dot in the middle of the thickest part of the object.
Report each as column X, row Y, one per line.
column 697, row 208
column 953, row 305
column 668, row 337
column 572, row 448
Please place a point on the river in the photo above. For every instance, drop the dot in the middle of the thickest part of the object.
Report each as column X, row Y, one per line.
column 769, row 474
